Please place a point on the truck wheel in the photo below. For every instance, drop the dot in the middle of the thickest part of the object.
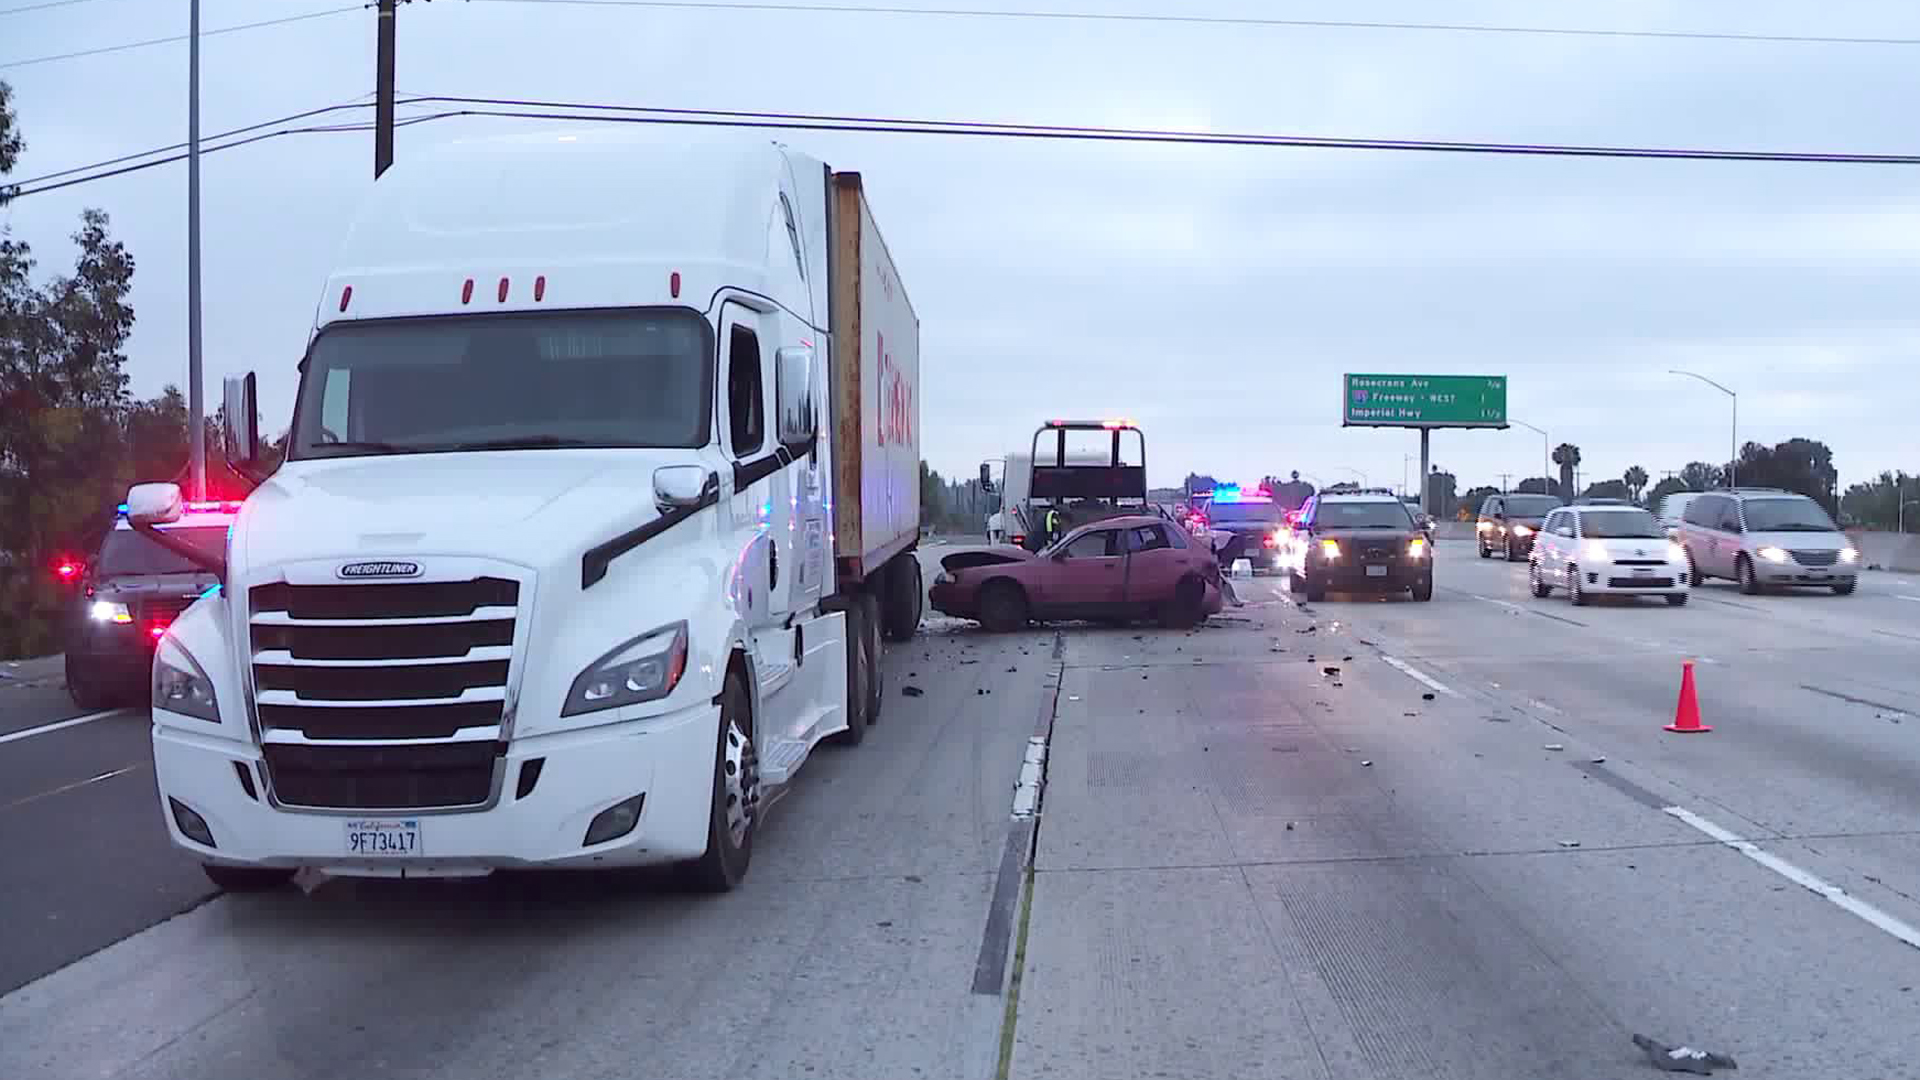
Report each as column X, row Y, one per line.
column 1423, row 589
column 247, row 878
column 904, row 598
column 859, row 674
column 1003, row 607
column 736, row 797
column 876, row 678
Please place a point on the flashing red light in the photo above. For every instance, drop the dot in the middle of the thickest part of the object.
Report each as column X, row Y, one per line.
column 673, row 284
column 466, row 292
column 346, row 297
column 540, row 288
column 217, row 505
column 156, row 631
column 67, row 570
column 503, row 290
column 1268, row 540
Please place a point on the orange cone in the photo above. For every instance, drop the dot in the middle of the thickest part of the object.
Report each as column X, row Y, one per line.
column 1686, row 713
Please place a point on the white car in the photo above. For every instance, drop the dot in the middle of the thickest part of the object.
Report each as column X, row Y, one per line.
column 1598, row 550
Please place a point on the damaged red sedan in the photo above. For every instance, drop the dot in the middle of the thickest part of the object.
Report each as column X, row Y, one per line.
column 1111, row 570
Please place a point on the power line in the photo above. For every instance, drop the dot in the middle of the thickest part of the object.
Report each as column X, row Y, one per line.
column 527, row 109
column 41, row 7
column 177, row 37
column 895, row 125
column 1207, row 20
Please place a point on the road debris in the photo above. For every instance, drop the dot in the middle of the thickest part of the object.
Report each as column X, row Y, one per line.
column 1366, row 764
column 1569, row 843
column 1682, row 1058
column 1554, row 746
column 1329, row 671
column 1426, row 697
column 911, row 691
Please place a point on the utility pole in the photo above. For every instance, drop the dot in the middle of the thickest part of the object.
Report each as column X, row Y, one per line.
column 1505, row 485
column 383, row 90
column 196, row 404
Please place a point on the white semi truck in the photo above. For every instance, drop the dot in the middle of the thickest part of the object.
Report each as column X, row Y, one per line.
column 601, row 490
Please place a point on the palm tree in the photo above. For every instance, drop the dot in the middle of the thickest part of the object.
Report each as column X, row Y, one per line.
column 1636, row 479
column 1567, row 456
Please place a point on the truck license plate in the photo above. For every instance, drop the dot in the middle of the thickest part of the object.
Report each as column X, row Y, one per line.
column 383, row 838
column 1376, row 571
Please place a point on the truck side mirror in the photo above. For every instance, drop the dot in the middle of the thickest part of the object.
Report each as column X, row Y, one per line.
column 154, row 504
column 682, row 487
column 986, row 478
column 793, row 394
column 242, row 400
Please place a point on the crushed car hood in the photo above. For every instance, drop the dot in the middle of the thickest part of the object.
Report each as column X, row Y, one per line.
column 993, row 556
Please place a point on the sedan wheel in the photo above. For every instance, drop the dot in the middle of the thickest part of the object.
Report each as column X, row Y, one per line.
column 1574, row 592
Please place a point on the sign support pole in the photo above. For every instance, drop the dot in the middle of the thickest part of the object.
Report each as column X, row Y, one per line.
column 1426, row 471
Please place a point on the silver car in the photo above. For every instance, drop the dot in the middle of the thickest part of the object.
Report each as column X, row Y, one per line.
column 1765, row 538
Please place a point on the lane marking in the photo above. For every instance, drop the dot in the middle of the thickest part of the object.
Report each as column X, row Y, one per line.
column 75, row 722
column 76, row 784
column 1525, row 610
column 1839, row 897
column 1904, row 596
column 1419, row 676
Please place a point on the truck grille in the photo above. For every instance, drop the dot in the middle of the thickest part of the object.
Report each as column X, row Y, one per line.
column 339, row 664
column 1816, row 558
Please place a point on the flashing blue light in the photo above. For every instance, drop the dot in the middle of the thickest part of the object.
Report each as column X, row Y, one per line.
column 123, row 508
column 210, row 592
column 1225, row 493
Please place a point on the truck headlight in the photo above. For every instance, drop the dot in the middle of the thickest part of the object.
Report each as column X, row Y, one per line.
column 1772, row 554
column 1417, row 548
column 179, row 684
column 1329, row 549
column 108, row 611
column 1850, row 555
column 646, row 668
column 1522, row 531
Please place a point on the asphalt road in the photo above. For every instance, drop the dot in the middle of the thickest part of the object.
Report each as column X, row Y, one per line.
column 1243, row 865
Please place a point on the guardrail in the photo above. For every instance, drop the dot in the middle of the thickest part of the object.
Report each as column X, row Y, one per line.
column 1888, row 550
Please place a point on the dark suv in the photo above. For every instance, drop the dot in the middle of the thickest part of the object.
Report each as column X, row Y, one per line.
column 132, row 591
column 1360, row 542
column 1248, row 527
column 1509, row 522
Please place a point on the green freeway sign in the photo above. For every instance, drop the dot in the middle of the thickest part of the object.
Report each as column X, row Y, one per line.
column 1424, row 401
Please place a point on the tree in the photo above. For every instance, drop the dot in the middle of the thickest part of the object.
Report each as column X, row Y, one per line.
column 1607, row 489
column 1798, row 464
column 1700, row 476
column 1471, row 502
column 1664, row 488
column 1876, row 504
column 1441, row 488
column 1567, row 456
column 1538, row 485
column 1636, row 481
column 10, row 141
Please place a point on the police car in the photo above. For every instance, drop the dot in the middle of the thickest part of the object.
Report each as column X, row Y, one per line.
column 132, row 591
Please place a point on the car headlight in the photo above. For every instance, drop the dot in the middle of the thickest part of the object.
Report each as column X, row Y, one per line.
column 1595, row 551
column 179, row 684
column 1483, row 526
column 1772, row 554
column 108, row 611
column 1329, row 549
column 1849, row 555
column 646, row 668
column 1676, row 553
column 1522, row 531
column 1417, row 548
column 943, row 578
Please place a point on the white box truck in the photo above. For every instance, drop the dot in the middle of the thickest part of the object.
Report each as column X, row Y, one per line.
column 601, row 490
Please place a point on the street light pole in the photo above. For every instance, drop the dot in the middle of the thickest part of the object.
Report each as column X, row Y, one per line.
column 196, row 406
column 1545, row 457
column 1733, row 461
column 1356, row 472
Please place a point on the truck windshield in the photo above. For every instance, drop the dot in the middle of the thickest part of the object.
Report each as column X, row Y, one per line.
column 637, row 378
column 127, row 553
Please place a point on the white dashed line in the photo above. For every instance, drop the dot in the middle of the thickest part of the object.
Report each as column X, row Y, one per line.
column 1834, row 893
column 1420, row 677
column 1904, row 596
column 45, row 728
column 1508, row 604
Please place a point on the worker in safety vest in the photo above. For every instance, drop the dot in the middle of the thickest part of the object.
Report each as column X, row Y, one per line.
column 1053, row 525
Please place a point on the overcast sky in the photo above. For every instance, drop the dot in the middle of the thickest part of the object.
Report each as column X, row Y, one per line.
column 1216, row 295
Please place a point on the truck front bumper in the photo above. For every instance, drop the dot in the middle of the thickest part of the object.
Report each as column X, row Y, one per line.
column 668, row 759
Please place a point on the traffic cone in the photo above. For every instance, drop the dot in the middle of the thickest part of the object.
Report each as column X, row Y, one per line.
column 1686, row 713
